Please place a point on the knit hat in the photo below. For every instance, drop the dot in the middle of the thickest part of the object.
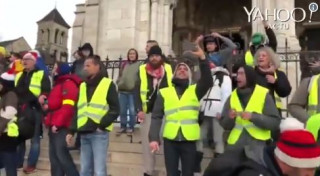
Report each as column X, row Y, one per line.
column 297, row 146
column 257, row 39
column 31, row 55
column 155, row 50
column 3, row 51
column 63, row 69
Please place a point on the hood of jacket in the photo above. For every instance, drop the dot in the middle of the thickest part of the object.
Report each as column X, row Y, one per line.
column 76, row 79
column 219, row 69
column 88, row 47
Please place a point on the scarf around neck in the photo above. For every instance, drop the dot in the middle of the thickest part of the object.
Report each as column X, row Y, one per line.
column 156, row 73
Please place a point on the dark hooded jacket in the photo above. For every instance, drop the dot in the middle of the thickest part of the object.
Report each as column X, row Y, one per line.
column 8, row 99
column 269, row 119
column 202, row 87
column 77, row 66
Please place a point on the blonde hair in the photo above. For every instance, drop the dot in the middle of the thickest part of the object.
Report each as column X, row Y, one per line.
column 273, row 58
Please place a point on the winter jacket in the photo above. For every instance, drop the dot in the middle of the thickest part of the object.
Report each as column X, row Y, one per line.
column 269, row 119
column 9, row 109
column 299, row 102
column 128, row 76
column 152, row 99
column 60, row 109
column 262, row 164
column 282, row 85
column 26, row 97
column 107, row 119
column 202, row 87
column 223, row 55
column 217, row 95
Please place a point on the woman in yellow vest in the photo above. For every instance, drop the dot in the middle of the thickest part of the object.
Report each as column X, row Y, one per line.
column 179, row 106
column 9, row 131
column 251, row 115
column 268, row 75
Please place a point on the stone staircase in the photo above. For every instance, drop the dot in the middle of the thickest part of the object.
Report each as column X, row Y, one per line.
column 124, row 156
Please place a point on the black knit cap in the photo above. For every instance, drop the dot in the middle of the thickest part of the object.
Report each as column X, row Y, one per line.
column 155, row 50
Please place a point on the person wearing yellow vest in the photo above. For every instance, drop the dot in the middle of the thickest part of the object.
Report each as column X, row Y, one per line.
column 251, row 115
column 9, row 130
column 152, row 76
column 179, row 106
column 258, row 40
column 97, row 108
column 304, row 104
column 32, row 87
column 269, row 75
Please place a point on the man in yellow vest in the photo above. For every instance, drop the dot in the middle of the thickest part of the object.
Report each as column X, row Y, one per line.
column 251, row 115
column 179, row 105
column 97, row 108
column 152, row 76
column 304, row 104
column 32, row 87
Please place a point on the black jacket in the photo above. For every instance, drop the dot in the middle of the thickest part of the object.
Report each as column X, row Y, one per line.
column 152, row 94
column 282, row 85
column 114, row 108
column 203, row 85
column 23, row 92
column 252, row 168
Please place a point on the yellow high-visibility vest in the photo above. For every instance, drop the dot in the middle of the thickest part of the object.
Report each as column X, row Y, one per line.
column 97, row 107
column 181, row 113
column 276, row 96
column 255, row 104
column 249, row 58
column 144, row 83
column 35, row 83
column 313, row 123
column 313, row 95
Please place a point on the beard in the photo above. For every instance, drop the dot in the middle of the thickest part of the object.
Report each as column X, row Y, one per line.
column 155, row 65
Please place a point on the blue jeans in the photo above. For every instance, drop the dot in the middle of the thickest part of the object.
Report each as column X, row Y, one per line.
column 60, row 158
column 35, row 145
column 127, row 103
column 8, row 161
column 94, row 147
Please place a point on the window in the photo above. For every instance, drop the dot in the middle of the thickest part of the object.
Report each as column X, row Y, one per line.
column 62, row 38
column 56, row 36
column 42, row 36
column 48, row 35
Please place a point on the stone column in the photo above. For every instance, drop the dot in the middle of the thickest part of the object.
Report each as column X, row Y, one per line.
column 290, row 33
column 257, row 24
column 166, row 33
column 154, row 19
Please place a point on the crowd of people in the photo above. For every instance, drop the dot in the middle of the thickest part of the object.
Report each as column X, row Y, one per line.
column 177, row 105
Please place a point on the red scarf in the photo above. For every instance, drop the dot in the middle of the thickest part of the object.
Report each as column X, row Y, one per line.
column 157, row 73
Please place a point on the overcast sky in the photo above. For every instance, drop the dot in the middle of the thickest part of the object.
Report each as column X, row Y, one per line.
column 19, row 17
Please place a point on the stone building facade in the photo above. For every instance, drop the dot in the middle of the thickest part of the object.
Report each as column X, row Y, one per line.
column 114, row 26
column 16, row 45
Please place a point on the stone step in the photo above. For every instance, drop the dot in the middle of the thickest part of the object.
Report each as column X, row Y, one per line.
column 113, row 169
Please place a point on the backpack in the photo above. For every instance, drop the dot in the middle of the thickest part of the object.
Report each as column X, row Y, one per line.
column 211, row 103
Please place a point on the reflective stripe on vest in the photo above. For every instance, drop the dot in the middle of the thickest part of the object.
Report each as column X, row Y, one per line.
column 97, row 107
column 35, row 83
column 313, row 95
column 144, row 83
column 249, row 58
column 12, row 128
column 255, row 104
column 313, row 125
column 181, row 113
